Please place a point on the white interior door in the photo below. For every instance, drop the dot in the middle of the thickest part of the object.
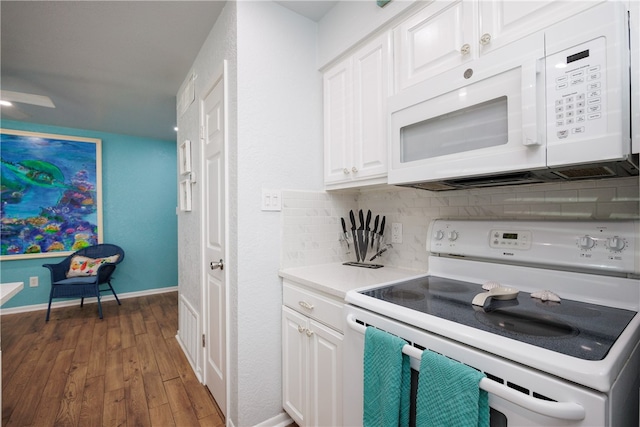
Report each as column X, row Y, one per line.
column 214, row 307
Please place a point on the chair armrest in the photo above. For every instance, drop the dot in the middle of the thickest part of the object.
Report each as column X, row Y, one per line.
column 105, row 271
column 58, row 271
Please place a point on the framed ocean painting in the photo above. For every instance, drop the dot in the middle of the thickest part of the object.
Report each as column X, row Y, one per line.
column 51, row 189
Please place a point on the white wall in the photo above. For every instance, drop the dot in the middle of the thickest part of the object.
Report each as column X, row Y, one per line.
column 275, row 126
column 279, row 146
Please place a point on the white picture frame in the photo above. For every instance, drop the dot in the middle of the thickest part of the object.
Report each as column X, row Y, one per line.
column 185, row 195
column 185, row 157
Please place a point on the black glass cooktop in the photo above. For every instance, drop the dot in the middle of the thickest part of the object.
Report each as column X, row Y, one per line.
column 578, row 329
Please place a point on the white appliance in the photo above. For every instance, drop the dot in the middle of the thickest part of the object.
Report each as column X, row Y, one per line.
column 552, row 106
column 574, row 362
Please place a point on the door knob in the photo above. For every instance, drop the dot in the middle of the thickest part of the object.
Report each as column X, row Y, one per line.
column 216, row 265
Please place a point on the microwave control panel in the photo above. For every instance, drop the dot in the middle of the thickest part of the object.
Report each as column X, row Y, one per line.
column 576, row 92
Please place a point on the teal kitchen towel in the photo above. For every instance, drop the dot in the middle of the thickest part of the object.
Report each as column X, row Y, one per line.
column 387, row 380
column 449, row 394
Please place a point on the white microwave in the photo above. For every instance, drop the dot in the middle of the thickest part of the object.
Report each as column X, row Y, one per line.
column 552, row 106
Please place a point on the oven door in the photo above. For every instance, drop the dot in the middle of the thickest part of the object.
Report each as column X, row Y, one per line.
column 517, row 396
column 480, row 118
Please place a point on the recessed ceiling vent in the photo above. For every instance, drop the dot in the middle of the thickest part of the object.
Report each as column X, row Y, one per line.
column 586, row 172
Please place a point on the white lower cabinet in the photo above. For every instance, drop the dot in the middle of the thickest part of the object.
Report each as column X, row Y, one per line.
column 311, row 358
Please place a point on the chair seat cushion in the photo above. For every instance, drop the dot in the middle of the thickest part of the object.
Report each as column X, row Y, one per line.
column 87, row 280
column 85, row 266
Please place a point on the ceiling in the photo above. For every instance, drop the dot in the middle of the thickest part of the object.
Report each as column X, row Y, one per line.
column 108, row 66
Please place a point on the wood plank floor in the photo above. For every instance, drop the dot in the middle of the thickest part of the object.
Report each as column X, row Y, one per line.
column 125, row 370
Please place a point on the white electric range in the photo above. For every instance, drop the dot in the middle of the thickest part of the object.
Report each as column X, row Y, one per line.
column 568, row 358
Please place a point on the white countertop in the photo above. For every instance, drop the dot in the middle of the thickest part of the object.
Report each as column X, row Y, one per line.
column 337, row 279
column 8, row 290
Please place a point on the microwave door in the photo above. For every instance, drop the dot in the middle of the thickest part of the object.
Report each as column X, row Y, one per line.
column 485, row 127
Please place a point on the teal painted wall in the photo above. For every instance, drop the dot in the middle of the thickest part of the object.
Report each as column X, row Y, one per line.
column 139, row 214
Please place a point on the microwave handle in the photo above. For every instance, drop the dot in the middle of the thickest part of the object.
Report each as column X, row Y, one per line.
column 530, row 72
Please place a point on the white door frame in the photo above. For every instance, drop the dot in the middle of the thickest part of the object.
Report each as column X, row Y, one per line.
column 220, row 74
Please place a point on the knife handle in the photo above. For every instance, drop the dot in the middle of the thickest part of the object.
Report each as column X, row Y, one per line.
column 352, row 217
column 344, row 226
column 381, row 232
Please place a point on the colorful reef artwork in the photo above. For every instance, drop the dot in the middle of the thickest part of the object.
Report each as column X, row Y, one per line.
column 50, row 194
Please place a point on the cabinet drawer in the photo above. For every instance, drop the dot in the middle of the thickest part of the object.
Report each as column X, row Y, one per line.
column 313, row 305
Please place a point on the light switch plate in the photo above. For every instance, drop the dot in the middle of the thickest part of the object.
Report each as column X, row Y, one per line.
column 271, row 200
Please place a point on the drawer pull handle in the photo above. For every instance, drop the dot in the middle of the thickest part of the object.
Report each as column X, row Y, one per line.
column 306, row 305
column 301, row 329
column 309, row 332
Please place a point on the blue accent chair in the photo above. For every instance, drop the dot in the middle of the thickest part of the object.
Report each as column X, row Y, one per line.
column 84, row 286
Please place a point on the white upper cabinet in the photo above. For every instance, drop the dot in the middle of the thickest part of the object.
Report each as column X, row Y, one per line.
column 504, row 21
column 447, row 34
column 355, row 128
column 435, row 39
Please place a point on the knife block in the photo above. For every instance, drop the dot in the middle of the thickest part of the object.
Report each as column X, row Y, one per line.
column 363, row 241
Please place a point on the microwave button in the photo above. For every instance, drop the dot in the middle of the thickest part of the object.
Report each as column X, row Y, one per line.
column 569, row 113
column 578, row 73
column 580, row 119
column 561, row 79
column 568, row 99
column 593, row 69
column 577, row 81
column 594, row 108
column 558, row 102
column 579, row 111
column 559, row 109
column 559, row 123
column 569, row 107
column 593, row 76
column 593, row 93
column 580, row 97
column 561, row 86
column 594, row 85
column 559, row 116
column 569, row 121
column 580, row 104
column 578, row 130
column 592, row 101
column 562, row 134
column 594, row 116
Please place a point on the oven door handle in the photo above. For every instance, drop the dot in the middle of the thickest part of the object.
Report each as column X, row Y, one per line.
column 560, row 410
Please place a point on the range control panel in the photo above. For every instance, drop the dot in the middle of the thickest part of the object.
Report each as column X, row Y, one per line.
column 607, row 246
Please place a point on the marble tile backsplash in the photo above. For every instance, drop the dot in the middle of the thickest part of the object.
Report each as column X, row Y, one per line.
column 311, row 220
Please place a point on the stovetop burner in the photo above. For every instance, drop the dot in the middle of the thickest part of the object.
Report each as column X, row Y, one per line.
column 578, row 329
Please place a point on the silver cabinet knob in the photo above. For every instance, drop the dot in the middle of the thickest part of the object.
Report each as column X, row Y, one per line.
column 465, row 49
column 354, row 169
column 301, row 329
column 216, row 265
column 309, row 332
column 485, row 39
column 346, row 171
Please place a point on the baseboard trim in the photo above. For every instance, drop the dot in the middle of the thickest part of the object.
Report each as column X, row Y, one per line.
column 69, row 303
column 280, row 420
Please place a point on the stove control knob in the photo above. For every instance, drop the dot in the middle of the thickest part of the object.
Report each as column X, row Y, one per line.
column 616, row 243
column 453, row 236
column 586, row 242
column 438, row 235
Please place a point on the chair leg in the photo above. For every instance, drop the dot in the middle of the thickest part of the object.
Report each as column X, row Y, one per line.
column 114, row 292
column 82, row 302
column 48, row 310
column 99, row 305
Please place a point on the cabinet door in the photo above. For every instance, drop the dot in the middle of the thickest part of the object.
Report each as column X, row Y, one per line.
column 294, row 365
column 435, row 40
column 371, row 74
column 505, row 21
column 325, row 376
column 338, row 122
